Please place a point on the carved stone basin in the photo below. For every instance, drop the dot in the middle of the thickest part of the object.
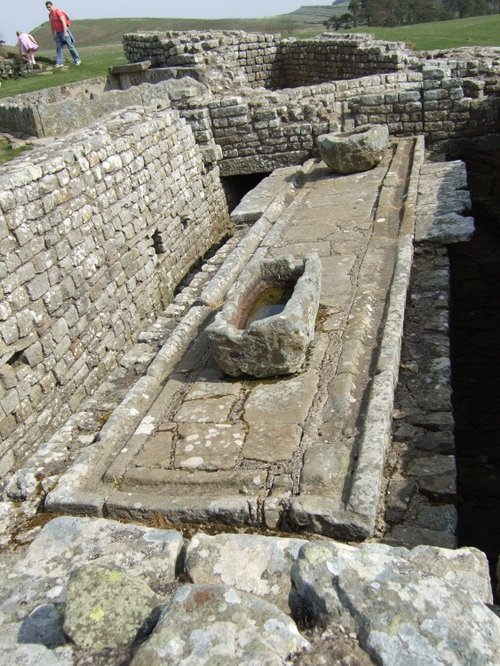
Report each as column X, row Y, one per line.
column 358, row 150
column 267, row 323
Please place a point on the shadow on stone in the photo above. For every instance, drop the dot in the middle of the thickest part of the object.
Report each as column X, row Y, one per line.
column 44, row 626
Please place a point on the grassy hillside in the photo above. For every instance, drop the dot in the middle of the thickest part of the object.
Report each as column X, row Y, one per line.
column 318, row 13
column 96, row 32
column 304, row 22
column 473, row 31
column 90, row 32
column 99, row 40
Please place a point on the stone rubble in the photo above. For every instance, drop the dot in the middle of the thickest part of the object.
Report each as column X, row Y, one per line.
column 87, row 589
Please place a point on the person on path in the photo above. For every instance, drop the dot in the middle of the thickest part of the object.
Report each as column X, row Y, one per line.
column 27, row 45
column 61, row 34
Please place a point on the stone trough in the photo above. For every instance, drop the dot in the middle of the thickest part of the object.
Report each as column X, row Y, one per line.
column 267, row 323
column 357, row 150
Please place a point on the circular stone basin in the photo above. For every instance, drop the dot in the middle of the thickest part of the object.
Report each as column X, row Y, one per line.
column 358, row 150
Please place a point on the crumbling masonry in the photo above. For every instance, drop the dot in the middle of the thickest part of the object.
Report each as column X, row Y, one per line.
column 120, row 238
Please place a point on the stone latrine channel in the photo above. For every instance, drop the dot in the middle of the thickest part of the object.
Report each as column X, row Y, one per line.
column 475, row 323
column 193, row 445
column 131, row 203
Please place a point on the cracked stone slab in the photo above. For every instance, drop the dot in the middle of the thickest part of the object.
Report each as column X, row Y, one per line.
column 209, row 447
column 272, row 442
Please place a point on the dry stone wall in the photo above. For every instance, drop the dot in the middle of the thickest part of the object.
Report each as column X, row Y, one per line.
column 95, row 233
column 263, row 131
column 221, row 83
column 266, row 60
column 437, row 107
column 236, row 56
column 340, row 57
column 328, row 84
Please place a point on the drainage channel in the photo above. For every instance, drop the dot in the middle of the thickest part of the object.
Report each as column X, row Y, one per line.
column 475, row 353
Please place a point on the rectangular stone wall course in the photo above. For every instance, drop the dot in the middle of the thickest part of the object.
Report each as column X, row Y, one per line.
column 84, row 264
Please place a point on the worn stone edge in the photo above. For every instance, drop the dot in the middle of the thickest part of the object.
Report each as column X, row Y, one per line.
column 366, row 485
column 68, row 493
column 356, row 520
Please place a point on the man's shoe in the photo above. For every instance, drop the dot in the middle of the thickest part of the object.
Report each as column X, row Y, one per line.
column 59, row 65
column 78, row 62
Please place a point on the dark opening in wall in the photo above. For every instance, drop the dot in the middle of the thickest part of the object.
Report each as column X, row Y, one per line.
column 235, row 187
column 475, row 356
column 158, row 244
column 16, row 358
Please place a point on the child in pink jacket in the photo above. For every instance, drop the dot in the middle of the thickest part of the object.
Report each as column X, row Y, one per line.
column 27, row 46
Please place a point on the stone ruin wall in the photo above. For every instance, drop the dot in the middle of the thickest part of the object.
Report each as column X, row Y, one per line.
column 327, row 84
column 337, row 58
column 267, row 60
column 12, row 66
column 211, row 77
column 256, row 57
column 128, row 207
column 33, row 113
column 260, row 132
column 95, row 233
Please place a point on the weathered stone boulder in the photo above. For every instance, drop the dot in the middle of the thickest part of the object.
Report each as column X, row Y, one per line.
column 358, row 150
column 275, row 342
column 108, row 608
column 67, row 543
column 407, row 607
column 216, row 624
column 217, row 559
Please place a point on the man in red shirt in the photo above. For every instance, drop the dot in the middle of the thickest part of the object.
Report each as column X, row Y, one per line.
column 62, row 34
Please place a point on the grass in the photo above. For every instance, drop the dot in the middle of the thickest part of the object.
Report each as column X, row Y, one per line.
column 100, row 47
column 8, row 152
column 473, row 31
column 95, row 62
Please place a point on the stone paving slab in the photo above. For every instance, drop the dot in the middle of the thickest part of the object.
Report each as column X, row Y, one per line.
column 196, row 446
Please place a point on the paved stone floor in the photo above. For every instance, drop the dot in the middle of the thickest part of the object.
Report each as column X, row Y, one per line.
column 304, row 451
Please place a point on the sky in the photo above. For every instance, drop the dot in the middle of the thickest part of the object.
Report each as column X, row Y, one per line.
column 26, row 15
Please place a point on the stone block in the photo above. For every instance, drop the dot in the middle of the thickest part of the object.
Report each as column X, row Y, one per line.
column 358, row 150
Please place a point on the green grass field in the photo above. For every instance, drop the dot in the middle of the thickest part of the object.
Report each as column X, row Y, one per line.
column 95, row 62
column 99, row 40
column 473, row 31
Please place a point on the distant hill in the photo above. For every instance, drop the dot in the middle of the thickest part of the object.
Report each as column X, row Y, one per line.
column 318, row 13
column 95, row 32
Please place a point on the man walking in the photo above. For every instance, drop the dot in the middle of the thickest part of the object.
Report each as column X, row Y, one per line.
column 61, row 34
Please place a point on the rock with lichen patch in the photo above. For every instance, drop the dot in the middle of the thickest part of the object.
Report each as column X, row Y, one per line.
column 107, row 608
